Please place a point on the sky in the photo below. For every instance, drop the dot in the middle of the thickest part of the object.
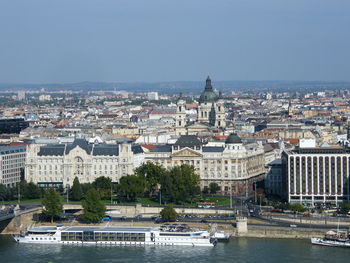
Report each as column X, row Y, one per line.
column 61, row 41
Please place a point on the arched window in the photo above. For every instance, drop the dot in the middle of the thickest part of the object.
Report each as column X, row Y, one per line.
column 78, row 166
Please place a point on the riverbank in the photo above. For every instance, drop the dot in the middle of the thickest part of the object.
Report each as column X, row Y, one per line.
column 254, row 231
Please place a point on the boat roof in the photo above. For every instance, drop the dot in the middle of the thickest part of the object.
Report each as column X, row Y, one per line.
column 117, row 229
column 43, row 229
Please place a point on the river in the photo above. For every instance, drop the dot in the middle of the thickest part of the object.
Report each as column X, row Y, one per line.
column 237, row 250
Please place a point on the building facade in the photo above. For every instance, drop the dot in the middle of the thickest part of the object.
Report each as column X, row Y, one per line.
column 316, row 175
column 210, row 112
column 274, row 180
column 12, row 163
column 53, row 165
column 12, row 125
column 233, row 165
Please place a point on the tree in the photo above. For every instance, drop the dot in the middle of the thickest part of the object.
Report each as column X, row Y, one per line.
column 180, row 184
column 94, row 209
column 131, row 187
column 104, row 186
column 205, row 190
column 32, row 191
column 76, row 192
column 6, row 193
column 214, row 187
column 345, row 208
column 297, row 208
column 85, row 188
column 168, row 214
column 152, row 174
column 52, row 204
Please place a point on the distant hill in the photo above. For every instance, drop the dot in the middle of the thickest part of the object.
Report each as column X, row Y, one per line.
column 188, row 87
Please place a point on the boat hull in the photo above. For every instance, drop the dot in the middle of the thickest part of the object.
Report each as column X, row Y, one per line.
column 24, row 240
column 329, row 243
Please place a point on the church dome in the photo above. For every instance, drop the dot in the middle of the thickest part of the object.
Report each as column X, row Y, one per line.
column 208, row 95
column 233, row 138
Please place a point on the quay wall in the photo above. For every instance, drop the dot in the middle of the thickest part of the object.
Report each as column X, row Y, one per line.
column 131, row 211
column 279, row 232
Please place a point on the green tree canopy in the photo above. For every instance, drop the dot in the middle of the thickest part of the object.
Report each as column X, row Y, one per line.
column 205, row 190
column 76, row 192
column 168, row 214
column 52, row 203
column 297, row 208
column 214, row 188
column 131, row 187
column 152, row 174
column 180, row 184
column 104, row 186
column 345, row 208
column 32, row 191
column 94, row 209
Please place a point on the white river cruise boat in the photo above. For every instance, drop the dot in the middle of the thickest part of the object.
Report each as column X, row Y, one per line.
column 333, row 238
column 81, row 235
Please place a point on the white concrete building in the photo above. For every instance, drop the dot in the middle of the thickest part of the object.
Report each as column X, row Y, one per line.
column 152, row 95
column 317, row 175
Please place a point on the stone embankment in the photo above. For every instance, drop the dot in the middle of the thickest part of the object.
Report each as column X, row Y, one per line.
column 135, row 210
column 264, row 231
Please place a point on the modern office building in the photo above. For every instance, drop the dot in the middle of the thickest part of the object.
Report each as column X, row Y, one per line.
column 53, row 165
column 273, row 180
column 316, row 175
column 12, row 125
column 12, row 163
column 234, row 166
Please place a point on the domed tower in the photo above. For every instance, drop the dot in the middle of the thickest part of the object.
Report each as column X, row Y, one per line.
column 233, row 142
column 208, row 106
column 180, row 116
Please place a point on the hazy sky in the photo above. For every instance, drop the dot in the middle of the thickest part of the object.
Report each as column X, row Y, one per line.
column 45, row 41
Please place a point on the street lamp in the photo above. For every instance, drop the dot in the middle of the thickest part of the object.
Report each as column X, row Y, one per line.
column 111, row 193
column 255, row 200
column 19, row 192
column 231, row 196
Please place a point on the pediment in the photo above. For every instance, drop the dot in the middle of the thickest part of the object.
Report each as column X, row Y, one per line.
column 186, row 152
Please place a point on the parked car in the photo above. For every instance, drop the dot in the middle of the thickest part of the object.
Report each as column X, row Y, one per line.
column 107, row 218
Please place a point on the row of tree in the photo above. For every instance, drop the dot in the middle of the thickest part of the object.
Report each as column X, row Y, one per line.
column 178, row 185
column 23, row 190
column 93, row 209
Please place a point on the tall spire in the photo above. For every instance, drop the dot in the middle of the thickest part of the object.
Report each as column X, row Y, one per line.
column 208, row 85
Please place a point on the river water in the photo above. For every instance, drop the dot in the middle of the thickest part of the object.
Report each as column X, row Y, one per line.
column 237, row 250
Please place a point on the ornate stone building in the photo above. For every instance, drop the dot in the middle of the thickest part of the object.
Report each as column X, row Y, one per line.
column 210, row 112
column 53, row 165
column 231, row 164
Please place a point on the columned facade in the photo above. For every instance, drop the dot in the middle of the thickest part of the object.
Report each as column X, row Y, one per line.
column 317, row 175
